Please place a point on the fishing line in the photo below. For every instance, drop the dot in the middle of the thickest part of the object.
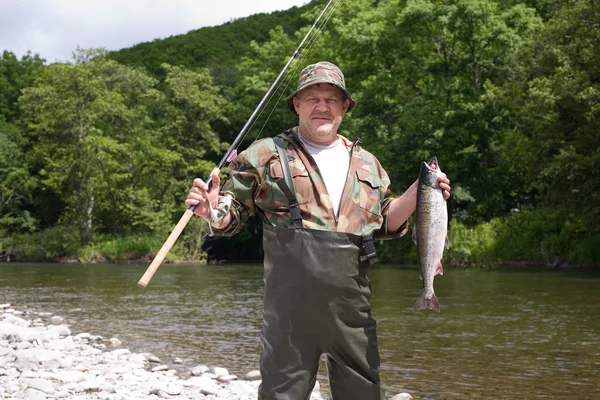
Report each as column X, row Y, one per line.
column 293, row 73
column 228, row 156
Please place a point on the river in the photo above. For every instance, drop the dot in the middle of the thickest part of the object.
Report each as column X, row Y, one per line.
column 503, row 333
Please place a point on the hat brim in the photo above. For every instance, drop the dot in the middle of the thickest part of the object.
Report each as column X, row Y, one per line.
column 290, row 99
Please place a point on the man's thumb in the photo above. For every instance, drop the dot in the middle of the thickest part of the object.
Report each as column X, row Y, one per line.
column 216, row 181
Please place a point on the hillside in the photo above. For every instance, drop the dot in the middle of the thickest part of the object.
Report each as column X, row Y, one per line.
column 218, row 48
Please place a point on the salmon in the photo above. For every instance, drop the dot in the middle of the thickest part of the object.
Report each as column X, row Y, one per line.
column 430, row 232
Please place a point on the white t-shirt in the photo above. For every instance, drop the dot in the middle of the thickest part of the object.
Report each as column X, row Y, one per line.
column 333, row 161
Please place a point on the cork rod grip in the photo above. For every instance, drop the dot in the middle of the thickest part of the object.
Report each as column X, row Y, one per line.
column 162, row 253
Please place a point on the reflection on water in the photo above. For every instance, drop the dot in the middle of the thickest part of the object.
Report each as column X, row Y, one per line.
column 500, row 334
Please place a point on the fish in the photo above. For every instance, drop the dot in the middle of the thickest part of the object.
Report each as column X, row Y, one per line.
column 430, row 232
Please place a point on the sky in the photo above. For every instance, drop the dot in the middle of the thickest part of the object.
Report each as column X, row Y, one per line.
column 54, row 28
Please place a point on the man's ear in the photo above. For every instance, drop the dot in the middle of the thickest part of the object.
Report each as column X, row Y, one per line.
column 346, row 105
column 296, row 101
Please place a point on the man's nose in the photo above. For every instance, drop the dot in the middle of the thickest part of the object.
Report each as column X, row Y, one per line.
column 322, row 105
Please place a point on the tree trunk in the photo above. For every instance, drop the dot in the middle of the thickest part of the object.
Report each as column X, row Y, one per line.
column 86, row 208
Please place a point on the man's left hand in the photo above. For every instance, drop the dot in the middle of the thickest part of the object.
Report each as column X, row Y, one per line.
column 444, row 183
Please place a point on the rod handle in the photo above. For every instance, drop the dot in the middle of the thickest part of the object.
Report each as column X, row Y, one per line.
column 162, row 253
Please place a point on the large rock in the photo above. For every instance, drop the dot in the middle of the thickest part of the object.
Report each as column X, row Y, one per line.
column 42, row 385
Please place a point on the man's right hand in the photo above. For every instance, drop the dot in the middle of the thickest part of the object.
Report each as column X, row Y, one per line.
column 199, row 194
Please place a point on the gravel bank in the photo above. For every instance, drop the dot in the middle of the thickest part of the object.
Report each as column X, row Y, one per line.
column 41, row 359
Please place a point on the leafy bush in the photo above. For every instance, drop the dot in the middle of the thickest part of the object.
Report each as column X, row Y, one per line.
column 49, row 244
column 116, row 249
column 470, row 246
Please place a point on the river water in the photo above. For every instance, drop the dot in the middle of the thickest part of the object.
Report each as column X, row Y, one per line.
column 506, row 333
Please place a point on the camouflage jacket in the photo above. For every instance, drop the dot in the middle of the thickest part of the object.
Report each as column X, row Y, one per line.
column 364, row 205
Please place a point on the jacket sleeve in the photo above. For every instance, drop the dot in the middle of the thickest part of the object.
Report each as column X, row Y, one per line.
column 386, row 199
column 246, row 180
column 383, row 233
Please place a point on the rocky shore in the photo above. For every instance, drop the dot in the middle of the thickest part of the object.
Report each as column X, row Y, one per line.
column 41, row 359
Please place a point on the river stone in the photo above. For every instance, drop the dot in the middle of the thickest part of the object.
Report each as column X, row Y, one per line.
column 241, row 388
column 70, row 376
column 91, row 352
column 11, row 319
column 23, row 365
column 23, row 345
column 33, row 394
column 402, row 396
column 42, row 385
column 57, row 320
column 206, row 385
column 120, row 352
column 253, row 375
column 218, row 371
column 226, row 378
column 5, row 305
column 160, row 368
column 115, row 342
column 58, row 331
column 45, row 314
column 83, row 336
column 152, row 358
column 160, row 393
column 199, row 370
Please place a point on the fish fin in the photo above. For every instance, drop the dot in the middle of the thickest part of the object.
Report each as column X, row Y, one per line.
column 414, row 234
column 447, row 244
column 439, row 270
column 427, row 304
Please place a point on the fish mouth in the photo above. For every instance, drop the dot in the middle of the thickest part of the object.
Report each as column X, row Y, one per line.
column 433, row 164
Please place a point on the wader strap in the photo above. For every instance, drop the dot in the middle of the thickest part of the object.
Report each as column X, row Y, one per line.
column 369, row 249
column 287, row 184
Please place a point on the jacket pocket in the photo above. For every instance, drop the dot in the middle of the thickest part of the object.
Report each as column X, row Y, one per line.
column 302, row 182
column 369, row 191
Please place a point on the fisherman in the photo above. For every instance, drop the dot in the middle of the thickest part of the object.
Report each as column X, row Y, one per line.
column 323, row 199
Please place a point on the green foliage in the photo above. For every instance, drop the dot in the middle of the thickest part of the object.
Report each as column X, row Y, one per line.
column 16, row 183
column 471, row 246
column 15, row 75
column 48, row 245
column 554, row 104
column 505, row 93
column 542, row 236
column 119, row 249
column 217, row 48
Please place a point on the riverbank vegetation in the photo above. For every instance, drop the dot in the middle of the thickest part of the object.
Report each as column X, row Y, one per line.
column 97, row 154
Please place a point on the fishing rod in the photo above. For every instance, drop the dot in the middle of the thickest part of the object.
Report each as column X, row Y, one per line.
column 228, row 156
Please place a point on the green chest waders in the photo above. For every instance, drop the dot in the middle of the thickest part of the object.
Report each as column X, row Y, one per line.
column 316, row 302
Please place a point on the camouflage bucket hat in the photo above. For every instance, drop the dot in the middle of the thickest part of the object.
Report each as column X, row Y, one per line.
column 321, row 72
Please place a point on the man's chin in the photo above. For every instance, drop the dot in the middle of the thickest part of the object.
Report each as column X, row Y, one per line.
column 325, row 130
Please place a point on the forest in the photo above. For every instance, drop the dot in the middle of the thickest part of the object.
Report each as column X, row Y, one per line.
column 97, row 154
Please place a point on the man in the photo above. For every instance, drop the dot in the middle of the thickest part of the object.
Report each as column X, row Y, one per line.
column 322, row 199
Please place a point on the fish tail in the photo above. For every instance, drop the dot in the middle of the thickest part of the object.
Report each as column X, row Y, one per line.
column 424, row 303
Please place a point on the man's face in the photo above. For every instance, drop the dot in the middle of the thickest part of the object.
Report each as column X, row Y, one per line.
column 321, row 108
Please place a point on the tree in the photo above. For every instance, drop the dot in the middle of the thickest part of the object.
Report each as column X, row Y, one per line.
column 419, row 68
column 89, row 124
column 16, row 183
column 556, row 116
column 15, row 75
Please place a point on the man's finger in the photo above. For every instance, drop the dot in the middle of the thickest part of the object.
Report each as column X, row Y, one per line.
column 216, row 181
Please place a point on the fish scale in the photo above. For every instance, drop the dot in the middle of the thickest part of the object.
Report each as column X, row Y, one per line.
column 430, row 232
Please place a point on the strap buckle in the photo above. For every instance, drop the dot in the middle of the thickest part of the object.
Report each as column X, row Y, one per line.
column 368, row 247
